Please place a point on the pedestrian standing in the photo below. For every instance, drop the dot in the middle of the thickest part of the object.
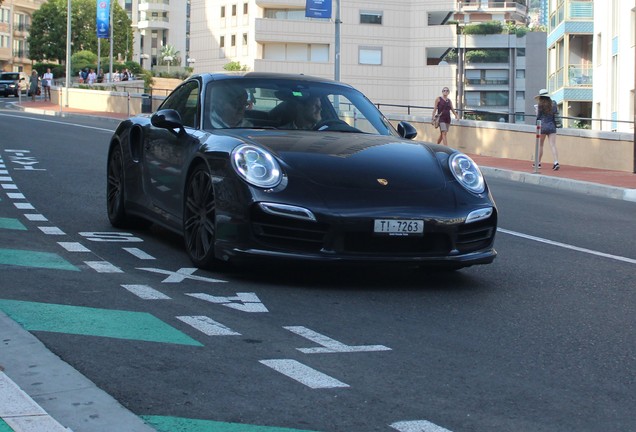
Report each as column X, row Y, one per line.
column 34, row 85
column 47, row 80
column 92, row 77
column 547, row 112
column 443, row 107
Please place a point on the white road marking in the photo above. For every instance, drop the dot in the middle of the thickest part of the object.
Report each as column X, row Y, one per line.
column 567, row 246
column 24, row 206
column 146, row 292
column 57, row 122
column 74, row 246
column 9, row 186
column 103, row 267
column 303, row 374
column 6, row 179
column 417, row 426
column 180, row 275
column 330, row 345
column 15, row 195
column 36, row 217
column 110, row 236
column 51, row 230
column 208, row 326
column 139, row 253
column 247, row 302
column 21, row 412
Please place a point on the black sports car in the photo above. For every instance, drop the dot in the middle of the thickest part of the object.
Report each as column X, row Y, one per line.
column 262, row 165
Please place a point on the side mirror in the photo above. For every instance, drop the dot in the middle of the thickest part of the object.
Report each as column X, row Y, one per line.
column 167, row 119
column 406, row 130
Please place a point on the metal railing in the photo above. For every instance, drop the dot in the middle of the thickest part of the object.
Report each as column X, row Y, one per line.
column 568, row 122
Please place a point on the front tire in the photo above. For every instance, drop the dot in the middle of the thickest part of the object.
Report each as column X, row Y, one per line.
column 199, row 213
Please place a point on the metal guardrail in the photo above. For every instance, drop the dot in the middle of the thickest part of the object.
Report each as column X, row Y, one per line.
column 428, row 110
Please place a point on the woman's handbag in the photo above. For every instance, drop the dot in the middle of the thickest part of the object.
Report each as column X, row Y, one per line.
column 435, row 121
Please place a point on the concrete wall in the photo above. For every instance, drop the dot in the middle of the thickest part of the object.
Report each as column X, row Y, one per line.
column 579, row 147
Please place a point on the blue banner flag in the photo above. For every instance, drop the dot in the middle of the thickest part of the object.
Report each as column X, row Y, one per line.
column 318, row 9
column 103, row 19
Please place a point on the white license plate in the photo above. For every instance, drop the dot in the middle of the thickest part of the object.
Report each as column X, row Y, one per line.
column 398, row 227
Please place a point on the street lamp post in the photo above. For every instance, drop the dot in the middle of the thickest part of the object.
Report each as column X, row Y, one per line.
column 169, row 60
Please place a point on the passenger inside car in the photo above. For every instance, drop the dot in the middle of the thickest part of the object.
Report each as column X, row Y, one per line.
column 228, row 103
column 308, row 113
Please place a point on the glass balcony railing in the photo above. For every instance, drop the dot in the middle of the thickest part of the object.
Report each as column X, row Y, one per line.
column 572, row 10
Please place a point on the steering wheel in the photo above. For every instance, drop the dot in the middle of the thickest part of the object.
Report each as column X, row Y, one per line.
column 329, row 124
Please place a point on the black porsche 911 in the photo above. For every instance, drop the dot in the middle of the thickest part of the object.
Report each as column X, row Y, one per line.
column 257, row 165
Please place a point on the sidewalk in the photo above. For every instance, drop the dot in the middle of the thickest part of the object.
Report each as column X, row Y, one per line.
column 610, row 184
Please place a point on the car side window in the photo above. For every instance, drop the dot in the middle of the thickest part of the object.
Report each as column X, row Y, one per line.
column 185, row 100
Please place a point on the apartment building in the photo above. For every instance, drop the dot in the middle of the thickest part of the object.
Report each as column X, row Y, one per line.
column 393, row 51
column 570, row 57
column 498, row 74
column 15, row 24
column 157, row 23
column 613, row 64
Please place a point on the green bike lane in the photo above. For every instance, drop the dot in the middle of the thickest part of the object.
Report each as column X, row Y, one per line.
column 24, row 250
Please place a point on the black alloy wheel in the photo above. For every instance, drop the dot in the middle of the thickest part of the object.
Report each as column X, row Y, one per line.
column 199, row 228
column 115, row 188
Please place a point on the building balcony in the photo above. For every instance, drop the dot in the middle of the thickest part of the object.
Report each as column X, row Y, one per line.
column 298, row 31
column 156, row 23
column 154, row 6
column 572, row 10
column 572, row 77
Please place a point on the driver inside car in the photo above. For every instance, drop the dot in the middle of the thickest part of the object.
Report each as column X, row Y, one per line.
column 308, row 114
column 228, row 104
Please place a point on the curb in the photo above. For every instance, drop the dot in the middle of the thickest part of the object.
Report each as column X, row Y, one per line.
column 579, row 186
column 41, row 392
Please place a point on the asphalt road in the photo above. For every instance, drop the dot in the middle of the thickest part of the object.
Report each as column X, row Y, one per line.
column 541, row 340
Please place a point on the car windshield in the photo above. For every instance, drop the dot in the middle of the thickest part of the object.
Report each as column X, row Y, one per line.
column 291, row 105
column 9, row 76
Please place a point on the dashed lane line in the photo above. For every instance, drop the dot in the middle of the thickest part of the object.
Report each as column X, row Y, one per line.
column 303, row 374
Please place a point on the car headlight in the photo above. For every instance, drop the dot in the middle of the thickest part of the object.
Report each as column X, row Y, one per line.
column 467, row 172
column 256, row 166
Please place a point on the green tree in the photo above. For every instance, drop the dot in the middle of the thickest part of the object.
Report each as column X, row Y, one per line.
column 235, row 66
column 47, row 39
column 171, row 52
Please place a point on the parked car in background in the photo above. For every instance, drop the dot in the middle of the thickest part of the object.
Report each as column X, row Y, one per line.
column 11, row 83
column 228, row 163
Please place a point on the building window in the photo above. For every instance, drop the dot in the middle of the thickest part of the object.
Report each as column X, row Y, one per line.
column 4, row 41
column 244, row 39
column 521, row 73
column 285, row 14
column 233, row 10
column 222, row 11
column 520, row 95
column 315, row 53
column 245, row 8
column 370, row 55
column 4, row 15
column 222, row 42
column 233, row 40
column 369, row 17
column 521, row 52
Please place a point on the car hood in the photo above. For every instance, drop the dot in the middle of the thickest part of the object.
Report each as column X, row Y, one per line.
column 351, row 160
